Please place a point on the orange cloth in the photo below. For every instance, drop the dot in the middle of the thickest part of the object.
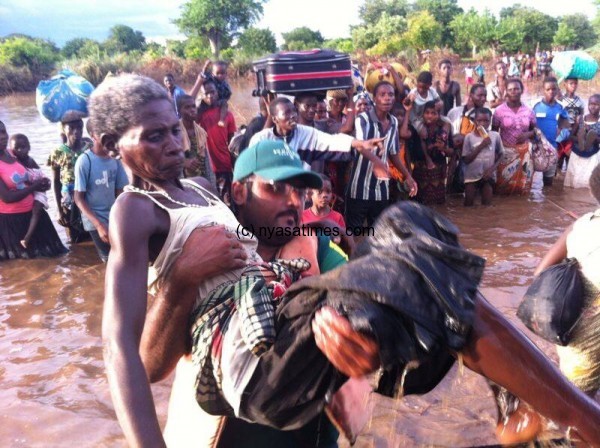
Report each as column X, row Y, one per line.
column 515, row 171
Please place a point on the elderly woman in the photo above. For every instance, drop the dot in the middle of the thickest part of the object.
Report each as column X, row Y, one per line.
column 134, row 118
column 16, row 205
column 515, row 122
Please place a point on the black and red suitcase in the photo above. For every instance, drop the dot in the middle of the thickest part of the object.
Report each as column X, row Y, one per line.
column 302, row 71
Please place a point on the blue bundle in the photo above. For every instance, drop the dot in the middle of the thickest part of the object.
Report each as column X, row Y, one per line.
column 574, row 64
column 63, row 97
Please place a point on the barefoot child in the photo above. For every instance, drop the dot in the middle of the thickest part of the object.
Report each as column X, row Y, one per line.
column 19, row 146
column 482, row 151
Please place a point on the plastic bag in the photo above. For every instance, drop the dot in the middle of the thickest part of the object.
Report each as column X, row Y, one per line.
column 63, row 97
column 544, row 154
column 553, row 303
column 574, row 64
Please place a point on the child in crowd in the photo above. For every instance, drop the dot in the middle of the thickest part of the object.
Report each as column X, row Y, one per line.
column 321, row 206
column 575, row 108
column 219, row 76
column 482, row 150
column 19, row 146
column 551, row 117
column 447, row 89
column 419, row 96
column 321, row 113
column 429, row 155
column 585, row 153
column 480, row 73
column 469, row 80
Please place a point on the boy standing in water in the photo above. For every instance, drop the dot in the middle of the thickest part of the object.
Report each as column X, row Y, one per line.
column 99, row 179
column 575, row 108
column 551, row 117
column 482, row 150
column 19, row 146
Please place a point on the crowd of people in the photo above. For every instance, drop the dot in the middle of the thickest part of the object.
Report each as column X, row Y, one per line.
column 335, row 162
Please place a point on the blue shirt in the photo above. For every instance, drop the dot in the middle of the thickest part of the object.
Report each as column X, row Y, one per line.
column 548, row 117
column 98, row 178
column 177, row 92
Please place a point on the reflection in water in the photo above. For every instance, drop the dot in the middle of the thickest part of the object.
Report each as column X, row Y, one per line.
column 52, row 384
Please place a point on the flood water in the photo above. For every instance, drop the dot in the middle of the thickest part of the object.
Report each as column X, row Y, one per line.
column 53, row 390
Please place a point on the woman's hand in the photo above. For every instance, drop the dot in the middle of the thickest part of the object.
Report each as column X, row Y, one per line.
column 413, row 188
column 41, row 184
column 208, row 252
column 352, row 353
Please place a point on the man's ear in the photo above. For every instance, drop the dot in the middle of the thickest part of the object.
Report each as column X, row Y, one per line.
column 239, row 193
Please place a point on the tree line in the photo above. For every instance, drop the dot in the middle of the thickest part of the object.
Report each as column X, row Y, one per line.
column 226, row 30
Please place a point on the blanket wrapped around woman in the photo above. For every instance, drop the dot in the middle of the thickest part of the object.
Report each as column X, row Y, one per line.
column 412, row 287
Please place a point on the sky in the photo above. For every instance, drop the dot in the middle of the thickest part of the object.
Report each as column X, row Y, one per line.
column 61, row 20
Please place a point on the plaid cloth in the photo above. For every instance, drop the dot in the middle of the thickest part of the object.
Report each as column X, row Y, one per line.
column 254, row 296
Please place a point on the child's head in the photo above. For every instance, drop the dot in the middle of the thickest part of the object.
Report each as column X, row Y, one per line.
column 571, row 85
column 595, row 183
column 445, row 67
column 322, row 198
column 306, row 103
column 219, row 70
column 550, row 89
column 483, row 117
column 430, row 113
column 73, row 131
column 424, row 81
column 362, row 102
column 501, row 69
column 594, row 104
column 186, row 105
column 398, row 111
column 18, row 144
column 321, row 113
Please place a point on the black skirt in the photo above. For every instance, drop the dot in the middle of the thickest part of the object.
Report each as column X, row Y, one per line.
column 45, row 242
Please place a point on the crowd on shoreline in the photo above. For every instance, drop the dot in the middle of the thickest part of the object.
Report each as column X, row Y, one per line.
column 335, row 162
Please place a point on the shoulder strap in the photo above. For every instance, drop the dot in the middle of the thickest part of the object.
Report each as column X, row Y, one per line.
column 200, row 187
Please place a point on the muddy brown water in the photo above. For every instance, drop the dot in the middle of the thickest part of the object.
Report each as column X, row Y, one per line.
column 53, row 389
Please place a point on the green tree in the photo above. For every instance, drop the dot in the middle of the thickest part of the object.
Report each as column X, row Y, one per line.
column 372, row 10
column 340, row 44
column 538, row 28
column 257, row 41
column 197, row 47
column 565, row 36
column 36, row 54
column 219, row 21
column 423, row 31
column 124, row 39
column 510, row 34
column 367, row 36
column 472, row 30
column 580, row 25
column 302, row 38
column 443, row 11
column 154, row 50
column 175, row 48
column 72, row 47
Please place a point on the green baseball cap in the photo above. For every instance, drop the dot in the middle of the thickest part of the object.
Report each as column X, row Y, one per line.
column 274, row 160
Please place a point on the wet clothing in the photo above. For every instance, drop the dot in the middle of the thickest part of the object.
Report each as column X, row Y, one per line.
column 547, row 117
column 582, row 162
column 574, row 107
column 411, row 287
column 16, row 216
column 515, row 170
column 580, row 360
column 486, row 158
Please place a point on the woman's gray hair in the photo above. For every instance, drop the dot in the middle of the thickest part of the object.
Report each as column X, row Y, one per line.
column 115, row 104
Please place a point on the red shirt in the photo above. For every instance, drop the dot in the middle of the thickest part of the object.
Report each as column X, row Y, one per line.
column 15, row 177
column 218, row 138
column 308, row 216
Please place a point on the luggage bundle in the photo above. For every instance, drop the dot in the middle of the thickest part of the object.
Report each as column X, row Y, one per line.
column 574, row 64
column 63, row 97
column 290, row 72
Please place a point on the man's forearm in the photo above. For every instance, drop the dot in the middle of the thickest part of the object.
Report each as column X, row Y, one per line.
column 166, row 334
